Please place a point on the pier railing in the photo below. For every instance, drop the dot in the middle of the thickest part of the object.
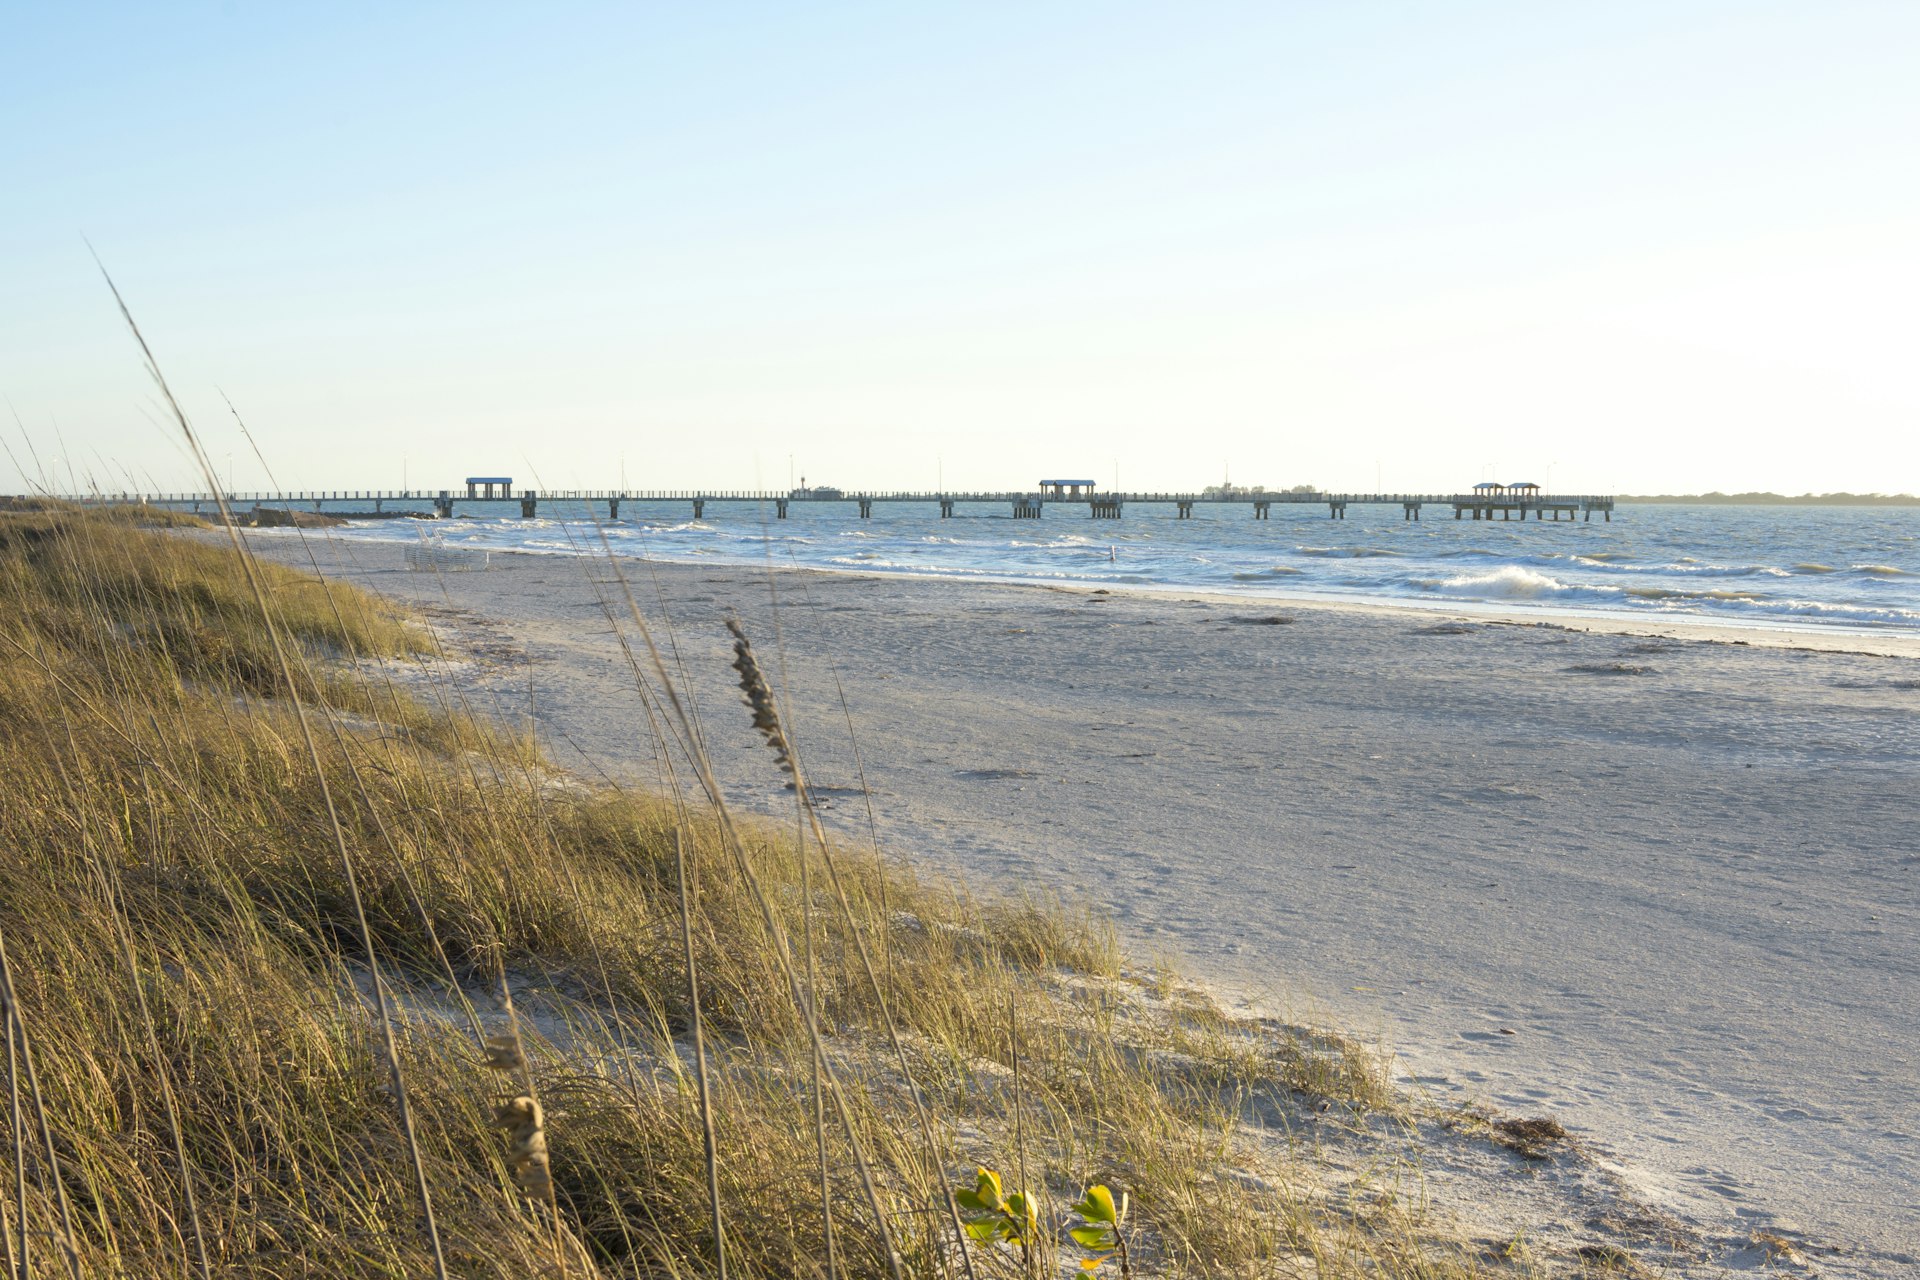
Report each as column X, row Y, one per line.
column 1025, row 504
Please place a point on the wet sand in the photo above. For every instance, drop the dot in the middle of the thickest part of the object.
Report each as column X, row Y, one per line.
column 1662, row 888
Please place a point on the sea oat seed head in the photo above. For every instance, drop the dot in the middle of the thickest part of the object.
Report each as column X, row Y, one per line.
column 526, row 1145
column 759, row 696
column 517, row 1114
column 503, row 1054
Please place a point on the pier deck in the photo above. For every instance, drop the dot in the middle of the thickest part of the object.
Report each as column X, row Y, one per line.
column 1023, row 505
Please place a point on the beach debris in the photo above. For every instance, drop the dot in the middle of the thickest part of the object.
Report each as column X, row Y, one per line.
column 1264, row 620
column 759, row 695
column 1445, row 629
column 1528, row 1137
column 1609, row 1256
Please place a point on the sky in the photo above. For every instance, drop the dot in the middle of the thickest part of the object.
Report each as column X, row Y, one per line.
column 1624, row 247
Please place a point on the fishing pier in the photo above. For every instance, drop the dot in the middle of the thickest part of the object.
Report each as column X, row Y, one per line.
column 1486, row 502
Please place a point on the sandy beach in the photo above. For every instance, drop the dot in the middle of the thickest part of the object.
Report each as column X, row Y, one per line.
column 1659, row 886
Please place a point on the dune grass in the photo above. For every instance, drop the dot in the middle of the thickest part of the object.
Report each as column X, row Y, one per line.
column 201, row 1080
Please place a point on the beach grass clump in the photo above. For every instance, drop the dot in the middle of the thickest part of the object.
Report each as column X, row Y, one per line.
column 311, row 972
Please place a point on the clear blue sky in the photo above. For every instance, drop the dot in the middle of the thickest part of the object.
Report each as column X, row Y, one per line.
column 1651, row 246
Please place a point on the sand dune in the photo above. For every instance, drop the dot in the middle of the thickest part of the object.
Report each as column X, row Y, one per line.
column 1663, row 888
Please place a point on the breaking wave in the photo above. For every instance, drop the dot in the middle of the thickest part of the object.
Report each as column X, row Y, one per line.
column 1510, row 582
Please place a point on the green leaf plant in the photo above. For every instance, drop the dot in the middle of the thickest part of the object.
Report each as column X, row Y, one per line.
column 1101, row 1235
column 994, row 1215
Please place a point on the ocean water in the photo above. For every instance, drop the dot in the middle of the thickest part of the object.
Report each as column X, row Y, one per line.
column 1825, row 567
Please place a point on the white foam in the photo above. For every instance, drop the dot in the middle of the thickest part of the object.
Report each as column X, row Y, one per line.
column 1509, row 582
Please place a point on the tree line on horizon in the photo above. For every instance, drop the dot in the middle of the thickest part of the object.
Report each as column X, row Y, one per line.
column 1783, row 500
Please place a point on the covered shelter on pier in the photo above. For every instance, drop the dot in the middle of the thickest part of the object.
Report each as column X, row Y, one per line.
column 1066, row 488
column 477, row 483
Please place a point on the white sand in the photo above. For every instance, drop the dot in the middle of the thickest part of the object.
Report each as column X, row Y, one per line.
column 1687, row 889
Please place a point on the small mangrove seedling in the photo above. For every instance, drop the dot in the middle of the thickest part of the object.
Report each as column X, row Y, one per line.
column 993, row 1216
column 1101, row 1236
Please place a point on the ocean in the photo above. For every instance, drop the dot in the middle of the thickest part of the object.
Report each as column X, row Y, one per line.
column 1822, row 567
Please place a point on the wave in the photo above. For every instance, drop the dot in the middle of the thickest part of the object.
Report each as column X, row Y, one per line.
column 1685, row 567
column 1511, row 582
column 1347, row 553
column 1740, row 574
column 1668, row 593
column 1858, row 615
column 1514, row 582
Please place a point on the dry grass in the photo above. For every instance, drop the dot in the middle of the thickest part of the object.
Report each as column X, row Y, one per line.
column 194, row 999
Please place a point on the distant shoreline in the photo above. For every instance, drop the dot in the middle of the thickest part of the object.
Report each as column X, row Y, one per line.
column 1775, row 499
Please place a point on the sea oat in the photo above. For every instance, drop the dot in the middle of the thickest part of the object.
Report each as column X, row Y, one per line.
column 759, row 696
column 526, row 1145
column 503, row 1054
